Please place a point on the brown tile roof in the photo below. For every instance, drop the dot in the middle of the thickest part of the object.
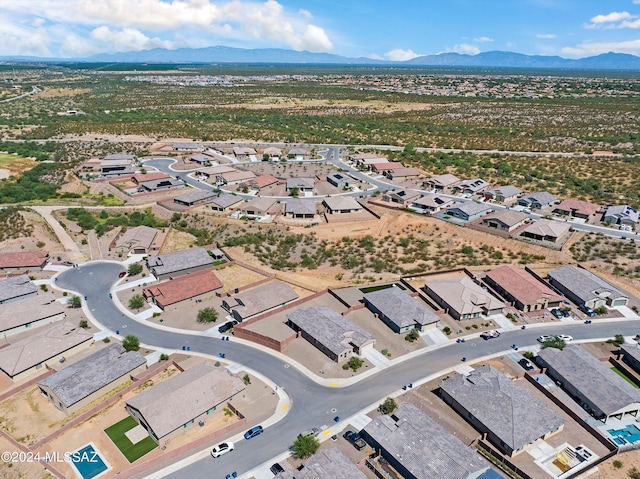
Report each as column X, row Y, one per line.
column 582, row 207
column 184, row 287
column 23, row 259
column 521, row 285
column 262, row 181
column 149, row 177
column 392, row 165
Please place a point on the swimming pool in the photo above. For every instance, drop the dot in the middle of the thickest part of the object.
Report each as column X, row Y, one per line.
column 628, row 435
column 88, row 463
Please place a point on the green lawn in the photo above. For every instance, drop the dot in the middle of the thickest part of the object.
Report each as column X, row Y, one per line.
column 131, row 451
column 624, row 376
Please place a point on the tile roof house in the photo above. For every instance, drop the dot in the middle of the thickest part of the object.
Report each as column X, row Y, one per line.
column 341, row 180
column 210, row 171
column 471, row 187
column 503, row 194
column 197, row 197
column 142, row 178
column 273, row 152
column 43, row 348
column 522, row 289
column 225, row 202
column 402, row 173
column 441, row 181
column 81, row 383
column 301, row 209
column 136, row 240
column 419, row 448
column 430, row 203
column 576, row 209
column 201, row 158
column 462, row 298
column 547, row 230
column 186, row 146
column 168, row 408
column 257, row 207
column 248, row 304
column 469, row 211
column 402, row 197
column 15, row 288
column 20, row 316
column 592, row 383
column 298, row 153
column 330, row 463
column 23, row 260
column 119, row 157
column 183, row 288
column 262, row 181
column 302, row 184
column 492, row 403
column 538, row 200
column 179, row 263
column 341, row 204
column 583, row 287
column 389, row 166
column 234, row 177
column 621, row 215
column 505, row 220
column 368, row 159
column 400, row 311
column 330, row 332
column 244, row 152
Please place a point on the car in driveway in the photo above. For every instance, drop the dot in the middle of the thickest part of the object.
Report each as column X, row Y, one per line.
column 227, row 326
column 276, row 469
column 222, row 448
column 544, row 338
column 557, row 313
column 355, row 439
column 526, row 364
column 253, row 432
column 566, row 312
column 587, row 310
column 492, row 333
column 565, row 337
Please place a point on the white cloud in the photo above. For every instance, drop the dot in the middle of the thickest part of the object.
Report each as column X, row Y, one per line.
column 19, row 40
column 465, row 48
column 129, row 39
column 400, row 55
column 305, row 13
column 38, row 22
column 613, row 20
column 546, row 36
column 630, row 24
column 586, row 49
column 375, row 56
column 611, row 17
column 483, row 39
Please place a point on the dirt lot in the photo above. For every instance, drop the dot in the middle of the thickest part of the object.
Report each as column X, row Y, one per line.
column 607, row 470
column 177, row 241
column 40, row 238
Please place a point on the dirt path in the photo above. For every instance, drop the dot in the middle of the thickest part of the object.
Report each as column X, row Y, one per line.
column 71, row 248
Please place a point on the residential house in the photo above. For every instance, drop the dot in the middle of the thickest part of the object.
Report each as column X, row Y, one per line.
column 367, row 159
column 547, row 230
column 583, row 287
column 631, row 355
column 505, row 220
column 469, row 211
column 402, row 174
column 201, row 158
column 272, row 153
column 245, row 153
column 259, row 207
column 441, row 182
column 26, row 314
column 303, row 185
column 81, row 383
column 142, row 178
column 400, row 311
column 511, row 417
column 537, row 201
column 430, row 203
column 248, row 304
column 171, row 265
column 167, row 409
column 262, row 181
column 15, row 288
column 621, row 215
column 137, row 240
column 119, row 157
column 382, row 168
column 402, row 197
column 213, row 171
column 183, row 288
column 27, row 260
column 576, row 209
column 329, row 463
column 225, row 202
column 591, row 383
column 523, row 290
column 471, row 187
column 116, row 168
column 298, row 153
column 197, row 197
column 330, row 332
column 161, row 184
column 341, row 205
column 44, row 348
column 234, row 177
column 341, row 180
column 186, row 146
column 419, row 448
column 462, row 298
column 503, row 194
column 300, row 209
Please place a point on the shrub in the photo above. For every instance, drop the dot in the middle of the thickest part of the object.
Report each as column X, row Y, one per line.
column 156, row 314
column 600, row 310
column 134, row 268
column 246, row 380
column 355, row 363
column 106, row 340
column 84, row 324
column 164, row 357
column 388, row 406
column 207, row 315
column 617, row 464
column 131, row 343
column 617, row 341
column 136, row 301
column 384, row 352
column 446, row 330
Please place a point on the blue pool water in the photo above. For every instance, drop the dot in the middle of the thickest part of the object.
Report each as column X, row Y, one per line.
column 630, row 434
column 88, row 462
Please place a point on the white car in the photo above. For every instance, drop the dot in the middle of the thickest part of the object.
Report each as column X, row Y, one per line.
column 221, row 449
column 544, row 338
column 565, row 337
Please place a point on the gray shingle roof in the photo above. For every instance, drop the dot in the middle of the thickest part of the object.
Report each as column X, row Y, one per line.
column 300, row 207
column 342, row 203
column 329, row 463
column 179, row 261
column 584, row 284
column 330, row 328
column 194, row 196
column 544, row 227
column 300, row 183
column 541, row 197
column 81, row 379
column 424, row 447
column 28, row 310
column 16, row 286
column 261, row 299
column 595, row 381
column 505, row 191
column 400, row 308
column 622, row 212
column 515, row 416
column 471, row 208
column 225, row 200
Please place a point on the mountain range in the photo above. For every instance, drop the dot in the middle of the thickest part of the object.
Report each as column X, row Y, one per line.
column 222, row 54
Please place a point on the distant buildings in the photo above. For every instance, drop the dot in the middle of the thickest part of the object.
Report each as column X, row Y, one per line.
column 549, row 231
column 441, row 182
column 402, row 197
column 505, row 221
column 503, row 194
column 303, row 185
column 471, row 187
column 576, row 209
column 198, row 197
column 341, row 180
column 258, row 207
column 430, row 204
column 300, row 209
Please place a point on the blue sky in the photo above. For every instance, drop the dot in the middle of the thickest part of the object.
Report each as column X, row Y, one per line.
column 395, row 30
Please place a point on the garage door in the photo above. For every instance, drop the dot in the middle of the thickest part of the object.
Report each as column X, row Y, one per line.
column 619, row 302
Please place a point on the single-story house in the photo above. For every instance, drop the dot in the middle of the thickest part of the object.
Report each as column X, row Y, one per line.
column 179, row 263
column 384, row 167
column 537, row 201
column 272, row 152
column 248, row 304
column 161, row 184
column 225, row 202
column 592, row 383
column 430, row 204
column 511, row 417
column 583, row 287
column 16, row 288
column 300, row 209
column 119, row 157
column 142, row 178
column 341, row 204
column 137, row 240
column 214, row 171
column 30, row 260
column 183, row 288
column 503, row 194
column 186, row 146
column 257, row 207
column 262, row 181
column 631, row 355
column 402, row 173
column 367, row 159
column 81, row 383
column 167, row 409
column 402, row 197
column 27, row 314
column 505, row 220
column 341, row 180
column 400, row 311
column 197, row 197
column 470, row 187
column 462, row 298
column 201, row 158
column 298, row 153
column 330, row 332
column 621, row 215
column 117, row 168
column 304, row 185
column 234, row 177
column 244, row 152
column 522, row 289
column 46, row 347
column 547, row 230
column 419, row 448
column 469, row 211
column 330, row 463
column 576, row 209
column 441, row 182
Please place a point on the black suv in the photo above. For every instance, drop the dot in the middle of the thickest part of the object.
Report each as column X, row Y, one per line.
column 227, row 326
column 355, row 439
column 276, row 469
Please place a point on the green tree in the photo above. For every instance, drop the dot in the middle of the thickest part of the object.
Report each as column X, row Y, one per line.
column 75, row 301
column 413, row 335
column 355, row 363
column 617, row 340
column 207, row 315
column 134, row 268
column 136, row 302
column 131, row 343
column 294, row 192
column 554, row 342
column 388, row 406
column 305, row 446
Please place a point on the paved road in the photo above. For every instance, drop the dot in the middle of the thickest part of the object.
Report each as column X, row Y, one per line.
column 311, row 402
column 33, row 91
